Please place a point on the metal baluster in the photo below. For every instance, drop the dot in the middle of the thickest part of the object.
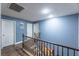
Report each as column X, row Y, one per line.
column 35, row 51
column 34, row 47
column 39, row 47
column 44, row 48
column 23, row 41
column 67, row 51
column 50, row 49
column 74, row 52
column 47, row 49
column 62, row 51
column 53, row 50
column 57, row 50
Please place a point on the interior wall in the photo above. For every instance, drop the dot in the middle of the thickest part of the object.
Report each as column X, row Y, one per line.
column 19, row 30
column 61, row 30
column 21, row 26
column 78, row 33
column 78, row 30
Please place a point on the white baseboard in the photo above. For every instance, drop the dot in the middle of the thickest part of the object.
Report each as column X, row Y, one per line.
column 21, row 41
column 18, row 42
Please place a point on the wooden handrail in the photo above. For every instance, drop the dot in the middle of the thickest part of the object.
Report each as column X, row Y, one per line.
column 53, row 43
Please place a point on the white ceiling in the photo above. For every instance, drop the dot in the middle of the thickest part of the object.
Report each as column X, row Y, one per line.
column 32, row 11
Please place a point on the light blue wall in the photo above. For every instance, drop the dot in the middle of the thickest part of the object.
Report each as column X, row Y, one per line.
column 19, row 31
column 78, row 30
column 78, row 33
column 61, row 30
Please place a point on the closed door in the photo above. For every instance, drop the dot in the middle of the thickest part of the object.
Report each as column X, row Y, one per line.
column 7, row 33
column 29, row 29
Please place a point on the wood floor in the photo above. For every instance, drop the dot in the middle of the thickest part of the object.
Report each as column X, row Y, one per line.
column 12, row 51
column 16, row 50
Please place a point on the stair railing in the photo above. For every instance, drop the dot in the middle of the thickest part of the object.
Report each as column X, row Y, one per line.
column 44, row 48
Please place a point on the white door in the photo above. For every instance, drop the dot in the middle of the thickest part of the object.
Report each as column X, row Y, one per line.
column 36, row 28
column 7, row 33
column 29, row 29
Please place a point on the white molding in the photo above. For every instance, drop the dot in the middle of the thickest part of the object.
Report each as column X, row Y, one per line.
column 21, row 41
column 18, row 42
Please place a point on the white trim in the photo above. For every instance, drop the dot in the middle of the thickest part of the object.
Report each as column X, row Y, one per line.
column 18, row 42
column 21, row 41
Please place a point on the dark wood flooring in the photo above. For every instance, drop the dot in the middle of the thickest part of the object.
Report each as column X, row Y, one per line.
column 16, row 50
column 13, row 51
